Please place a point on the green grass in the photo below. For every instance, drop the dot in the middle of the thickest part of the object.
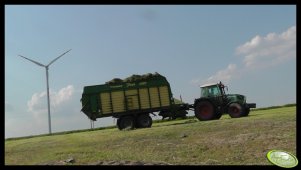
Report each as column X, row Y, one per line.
column 241, row 141
column 177, row 101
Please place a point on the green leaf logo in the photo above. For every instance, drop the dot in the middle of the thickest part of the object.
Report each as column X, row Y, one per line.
column 282, row 158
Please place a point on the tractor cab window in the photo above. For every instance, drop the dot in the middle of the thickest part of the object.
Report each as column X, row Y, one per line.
column 204, row 92
column 214, row 91
column 210, row 91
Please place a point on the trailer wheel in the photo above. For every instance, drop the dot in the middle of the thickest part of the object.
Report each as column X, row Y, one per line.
column 204, row 110
column 235, row 110
column 126, row 122
column 144, row 121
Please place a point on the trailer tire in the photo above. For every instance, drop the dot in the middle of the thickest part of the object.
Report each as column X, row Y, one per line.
column 125, row 122
column 204, row 110
column 144, row 121
column 236, row 110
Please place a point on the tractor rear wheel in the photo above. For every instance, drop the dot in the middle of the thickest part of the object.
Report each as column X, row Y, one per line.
column 235, row 110
column 125, row 122
column 144, row 121
column 204, row 110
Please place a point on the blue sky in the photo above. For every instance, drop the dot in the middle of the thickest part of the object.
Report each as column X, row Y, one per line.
column 252, row 49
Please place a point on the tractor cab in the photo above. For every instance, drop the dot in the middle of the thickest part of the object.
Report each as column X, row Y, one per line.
column 213, row 90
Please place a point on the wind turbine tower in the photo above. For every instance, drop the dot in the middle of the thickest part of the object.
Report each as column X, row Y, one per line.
column 47, row 67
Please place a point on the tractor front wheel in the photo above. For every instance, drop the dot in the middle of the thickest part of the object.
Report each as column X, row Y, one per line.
column 235, row 110
column 247, row 111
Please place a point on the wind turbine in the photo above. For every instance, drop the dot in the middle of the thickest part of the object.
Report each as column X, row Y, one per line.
column 47, row 67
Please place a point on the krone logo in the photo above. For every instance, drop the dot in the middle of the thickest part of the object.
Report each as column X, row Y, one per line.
column 282, row 158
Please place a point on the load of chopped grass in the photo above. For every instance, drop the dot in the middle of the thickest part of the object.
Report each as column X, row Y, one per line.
column 134, row 78
column 115, row 81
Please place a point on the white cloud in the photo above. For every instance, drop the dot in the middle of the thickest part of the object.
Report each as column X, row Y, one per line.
column 223, row 75
column 259, row 53
column 63, row 95
column 65, row 114
column 38, row 102
column 271, row 50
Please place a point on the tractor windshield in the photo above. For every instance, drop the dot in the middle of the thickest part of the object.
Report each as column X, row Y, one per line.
column 209, row 91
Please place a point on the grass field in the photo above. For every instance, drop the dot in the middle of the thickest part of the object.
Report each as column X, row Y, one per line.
column 228, row 141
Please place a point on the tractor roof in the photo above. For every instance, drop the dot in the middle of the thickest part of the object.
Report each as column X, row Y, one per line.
column 208, row 84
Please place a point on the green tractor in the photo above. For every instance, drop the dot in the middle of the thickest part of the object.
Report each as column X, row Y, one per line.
column 213, row 103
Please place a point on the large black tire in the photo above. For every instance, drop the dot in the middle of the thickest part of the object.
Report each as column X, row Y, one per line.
column 126, row 122
column 247, row 111
column 204, row 110
column 236, row 110
column 144, row 121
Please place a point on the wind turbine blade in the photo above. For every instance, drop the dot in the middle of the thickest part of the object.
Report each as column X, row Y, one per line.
column 42, row 65
column 58, row 57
